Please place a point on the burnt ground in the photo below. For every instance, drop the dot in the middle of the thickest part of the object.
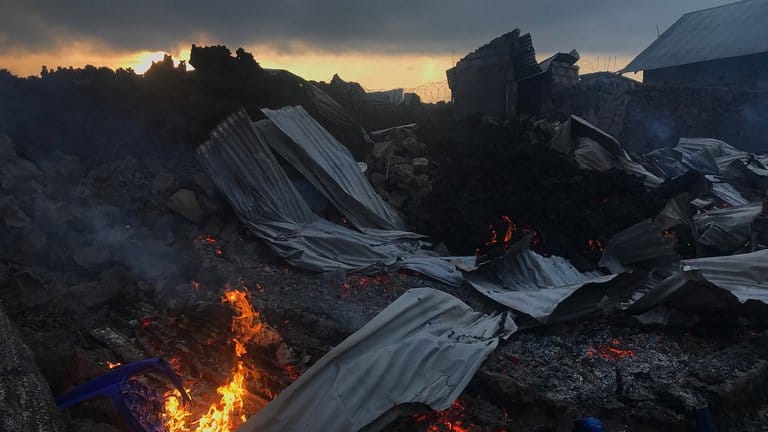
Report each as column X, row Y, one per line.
column 634, row 378
column 96, row 268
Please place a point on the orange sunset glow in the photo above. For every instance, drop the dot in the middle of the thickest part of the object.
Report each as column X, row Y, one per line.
column 375, row 71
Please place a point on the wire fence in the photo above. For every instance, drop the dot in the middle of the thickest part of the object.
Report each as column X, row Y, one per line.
column 431, row 92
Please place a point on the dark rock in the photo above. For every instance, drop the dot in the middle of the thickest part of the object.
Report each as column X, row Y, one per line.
column 184, row 202
column 163, row 182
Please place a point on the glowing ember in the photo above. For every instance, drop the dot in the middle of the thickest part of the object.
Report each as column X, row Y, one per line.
column 509, row 234
column 113, row 365
column 596, row 245
column 195, row 285
column 226, row 413
column 611, row 352
column 451, row 420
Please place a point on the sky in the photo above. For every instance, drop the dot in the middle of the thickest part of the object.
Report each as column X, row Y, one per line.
column 380, row 43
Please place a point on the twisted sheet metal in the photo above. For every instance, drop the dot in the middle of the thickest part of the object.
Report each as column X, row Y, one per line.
column 424, row 348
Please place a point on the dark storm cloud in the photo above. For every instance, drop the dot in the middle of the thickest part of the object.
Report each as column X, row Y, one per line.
column 412, row 26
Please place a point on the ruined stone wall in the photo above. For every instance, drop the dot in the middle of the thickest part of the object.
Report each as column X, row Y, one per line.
column 657, row 116
column 600, row 98
column 644, row 117
column 484, row 83
column 745, row 72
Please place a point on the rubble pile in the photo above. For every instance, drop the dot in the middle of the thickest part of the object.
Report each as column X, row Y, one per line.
column 399, row 169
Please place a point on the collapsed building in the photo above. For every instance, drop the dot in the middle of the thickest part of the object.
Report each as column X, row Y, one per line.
column 724, row 46
column 502, row 78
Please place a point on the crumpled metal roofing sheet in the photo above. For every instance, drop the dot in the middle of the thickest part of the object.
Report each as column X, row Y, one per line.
column 710, row 284
column 331, row 169
column 424, row 348
column 549, row 289
column 244, row 169
column 594, row 149
column 641, row 244
column 726, row 229
column 732, row 30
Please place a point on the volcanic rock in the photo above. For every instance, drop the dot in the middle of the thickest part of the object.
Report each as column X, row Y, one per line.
column 185, row 203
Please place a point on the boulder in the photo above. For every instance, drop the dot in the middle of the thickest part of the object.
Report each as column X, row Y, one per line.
column 184, row 202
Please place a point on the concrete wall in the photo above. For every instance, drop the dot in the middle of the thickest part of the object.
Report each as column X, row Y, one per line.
column 483, row 82
column 644, row 117
column 746, row 72
column 657, row 116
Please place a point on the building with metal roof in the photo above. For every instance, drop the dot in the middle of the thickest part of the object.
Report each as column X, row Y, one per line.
column 724, row 46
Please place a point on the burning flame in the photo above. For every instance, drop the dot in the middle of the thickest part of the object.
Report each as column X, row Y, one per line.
column 113, row 365
column 509, row 232
column 225, row 414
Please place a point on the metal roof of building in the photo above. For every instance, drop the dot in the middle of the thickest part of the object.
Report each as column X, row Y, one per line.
column 731, row 30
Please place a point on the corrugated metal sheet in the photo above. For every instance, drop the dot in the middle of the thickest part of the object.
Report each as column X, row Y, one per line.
column 548, row 289
column 424, row 348
column 708, row 285
column 331, row 169
column 726, row 230
column 731, row 30
column 594, row 149
column 641, row 245
column 240, row 162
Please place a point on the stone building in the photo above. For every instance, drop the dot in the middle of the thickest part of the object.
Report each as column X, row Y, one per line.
column 502, row 78
column 724, row 46
column 485, row 82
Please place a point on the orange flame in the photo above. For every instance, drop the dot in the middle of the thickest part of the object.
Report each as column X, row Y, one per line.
column 225, row 414
column 113, row 365
column 511, row 229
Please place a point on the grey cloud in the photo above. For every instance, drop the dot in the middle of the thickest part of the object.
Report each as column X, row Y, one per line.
column 413, row 26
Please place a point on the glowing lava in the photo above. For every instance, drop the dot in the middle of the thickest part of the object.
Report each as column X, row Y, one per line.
column 226, row 413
